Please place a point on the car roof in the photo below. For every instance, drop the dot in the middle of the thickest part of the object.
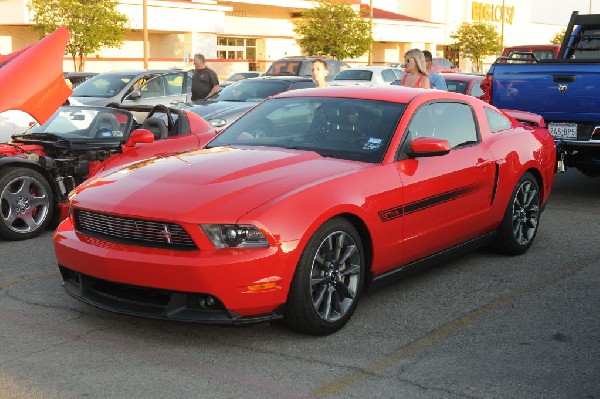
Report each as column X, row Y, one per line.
column 391, row 93
column 79, row 73
column 134, row 72
column 285, row 78
column 371, row 68
column 307, row 57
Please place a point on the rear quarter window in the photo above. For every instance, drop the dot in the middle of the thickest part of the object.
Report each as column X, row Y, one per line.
column 496, row 121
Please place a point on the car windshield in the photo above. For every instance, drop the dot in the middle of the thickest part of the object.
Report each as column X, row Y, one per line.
column 343, row 128
column 251, row 90
column 104, row 86
column 85, row 123
column 354, row 74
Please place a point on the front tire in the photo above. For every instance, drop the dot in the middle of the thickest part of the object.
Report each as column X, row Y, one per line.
column 328, row 280
column 26, row 204
column 521, row 219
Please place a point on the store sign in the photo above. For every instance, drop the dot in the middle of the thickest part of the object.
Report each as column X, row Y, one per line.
column 485, row 12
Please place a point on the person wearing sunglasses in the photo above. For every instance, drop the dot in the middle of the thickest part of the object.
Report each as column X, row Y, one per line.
column 416, row 70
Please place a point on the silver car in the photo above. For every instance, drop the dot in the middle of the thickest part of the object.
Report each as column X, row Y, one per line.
column 367, row 76
column 134, row 87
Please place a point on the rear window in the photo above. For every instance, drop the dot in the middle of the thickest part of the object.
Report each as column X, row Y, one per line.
column 587, row 44
column 285, row 67
column 354, row 74
column 457, row 86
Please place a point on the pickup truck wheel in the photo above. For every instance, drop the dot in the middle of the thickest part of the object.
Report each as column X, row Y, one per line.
column 328, row 280
column 26, row 204
column 521, row 219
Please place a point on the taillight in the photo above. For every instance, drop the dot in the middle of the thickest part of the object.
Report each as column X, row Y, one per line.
column 486, row 87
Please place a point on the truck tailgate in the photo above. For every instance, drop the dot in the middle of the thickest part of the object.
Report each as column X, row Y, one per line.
column 557, row 91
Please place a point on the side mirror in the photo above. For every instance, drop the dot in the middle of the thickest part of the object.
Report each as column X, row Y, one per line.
column 428, row 147
column 134, row 95
column 140, row 136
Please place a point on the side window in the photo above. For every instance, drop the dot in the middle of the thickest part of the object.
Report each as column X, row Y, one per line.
column 496, row 121
column 154, row 87
column 449, row 121
column 174, row 83
column 388, row 75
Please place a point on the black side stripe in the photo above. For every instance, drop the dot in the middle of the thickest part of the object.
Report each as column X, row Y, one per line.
column 399, row 211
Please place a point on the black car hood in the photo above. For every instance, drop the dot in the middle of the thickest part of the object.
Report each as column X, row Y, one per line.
column 212, row 109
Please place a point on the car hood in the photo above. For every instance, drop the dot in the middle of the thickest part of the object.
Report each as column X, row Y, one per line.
column 221, row 109
column 26, row 87
column 207, row 186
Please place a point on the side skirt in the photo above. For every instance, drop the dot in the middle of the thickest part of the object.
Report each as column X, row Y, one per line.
column 430, row 261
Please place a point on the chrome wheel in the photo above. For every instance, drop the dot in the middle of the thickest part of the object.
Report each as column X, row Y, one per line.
column 334, row 276
column 526, row 211
column 521, row 218
column 25, row 204
column 328, row 280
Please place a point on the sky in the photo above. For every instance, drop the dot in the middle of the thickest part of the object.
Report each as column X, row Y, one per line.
column 559, row 11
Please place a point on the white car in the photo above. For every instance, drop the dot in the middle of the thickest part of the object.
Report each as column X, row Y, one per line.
column 367, row 76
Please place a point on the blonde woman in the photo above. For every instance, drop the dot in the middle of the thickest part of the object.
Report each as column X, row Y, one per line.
column 416, row 70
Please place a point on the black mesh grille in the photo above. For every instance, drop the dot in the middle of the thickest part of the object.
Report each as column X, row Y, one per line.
column 133, row 231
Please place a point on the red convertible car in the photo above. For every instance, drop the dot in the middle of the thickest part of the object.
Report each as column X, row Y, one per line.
column 348, row 187
column 39, row 166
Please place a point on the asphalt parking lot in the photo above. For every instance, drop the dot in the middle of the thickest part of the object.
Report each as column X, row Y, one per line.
column 482, row 326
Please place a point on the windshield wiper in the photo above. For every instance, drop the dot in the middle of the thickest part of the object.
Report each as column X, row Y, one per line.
column 39, row 136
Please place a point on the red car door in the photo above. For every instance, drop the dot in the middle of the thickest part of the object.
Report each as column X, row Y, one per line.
column 445, row 195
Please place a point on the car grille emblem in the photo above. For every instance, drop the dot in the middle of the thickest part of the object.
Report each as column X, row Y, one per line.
column 562, row 88
column 167, row 234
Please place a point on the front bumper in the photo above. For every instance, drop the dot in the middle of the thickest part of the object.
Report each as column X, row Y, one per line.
column 227, row 286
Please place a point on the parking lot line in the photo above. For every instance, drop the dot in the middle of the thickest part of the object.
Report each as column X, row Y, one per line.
column 444, row 331
column 22, row 279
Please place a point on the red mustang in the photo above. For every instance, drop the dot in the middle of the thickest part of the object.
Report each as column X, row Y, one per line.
column 344, row 188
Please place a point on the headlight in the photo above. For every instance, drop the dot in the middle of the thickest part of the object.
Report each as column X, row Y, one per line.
column 217, row 122
column 234, row 236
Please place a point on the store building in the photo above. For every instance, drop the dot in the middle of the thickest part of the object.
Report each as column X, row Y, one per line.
column 237, row 35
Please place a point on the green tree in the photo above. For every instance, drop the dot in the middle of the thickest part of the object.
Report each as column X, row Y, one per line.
column 92, row 24
column 333, row 29
column 477, row 41
column 558, row 37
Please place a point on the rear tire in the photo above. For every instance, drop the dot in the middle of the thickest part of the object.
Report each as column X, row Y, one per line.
column 26, row 204
column 328, row 280
column 521, row 219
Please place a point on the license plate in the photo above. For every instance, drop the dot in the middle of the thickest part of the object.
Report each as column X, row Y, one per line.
column 563, row 130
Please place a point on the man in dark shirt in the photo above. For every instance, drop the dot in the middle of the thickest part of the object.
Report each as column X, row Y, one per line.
column 205, row 81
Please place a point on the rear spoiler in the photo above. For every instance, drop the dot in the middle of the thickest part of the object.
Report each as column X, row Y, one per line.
column 527, row 118
column 26, row 86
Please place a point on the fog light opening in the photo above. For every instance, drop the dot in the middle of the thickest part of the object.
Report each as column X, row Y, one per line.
column 208, row 302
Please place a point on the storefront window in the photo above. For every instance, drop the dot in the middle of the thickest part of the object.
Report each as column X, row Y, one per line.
column 236, row 48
